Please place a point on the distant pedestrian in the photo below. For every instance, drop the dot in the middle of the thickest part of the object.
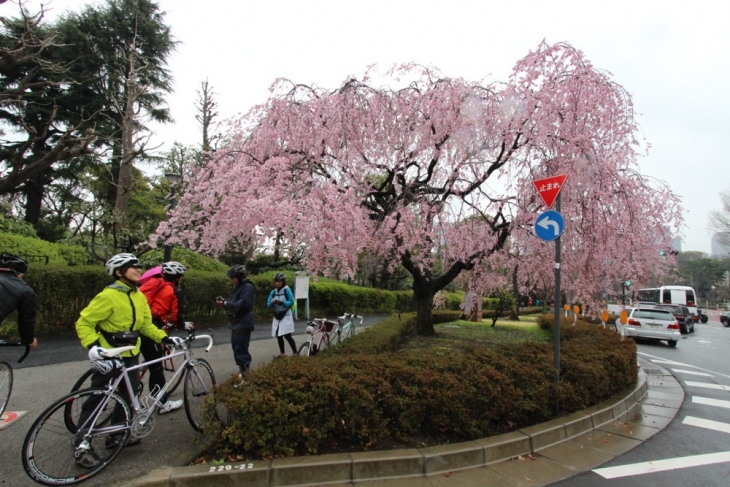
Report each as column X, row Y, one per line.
column 281, row 300
column 240, row 317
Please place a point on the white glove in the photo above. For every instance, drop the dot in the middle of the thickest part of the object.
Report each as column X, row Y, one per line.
column 174, row 341
column 95, row 353
column 189, row 326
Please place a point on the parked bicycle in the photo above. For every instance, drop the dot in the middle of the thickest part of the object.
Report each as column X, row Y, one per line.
column 319, row 330
column 169, row 366
column 52, row 448
column 346, row 328
column 6, row 375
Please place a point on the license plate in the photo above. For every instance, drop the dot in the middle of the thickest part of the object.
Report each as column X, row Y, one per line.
column 651, row 325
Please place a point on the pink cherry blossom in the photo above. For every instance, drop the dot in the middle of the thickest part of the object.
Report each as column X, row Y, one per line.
column 436, row 175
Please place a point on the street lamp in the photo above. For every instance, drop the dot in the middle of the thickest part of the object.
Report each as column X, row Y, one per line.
column 174, row 180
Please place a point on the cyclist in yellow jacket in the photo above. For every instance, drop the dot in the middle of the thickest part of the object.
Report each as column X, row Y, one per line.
column 115, row 317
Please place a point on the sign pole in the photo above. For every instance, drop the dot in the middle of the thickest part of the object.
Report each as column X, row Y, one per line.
column 556, row 327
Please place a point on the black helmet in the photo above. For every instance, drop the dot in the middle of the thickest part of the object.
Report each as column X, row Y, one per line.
column 280, row 277
column 238, row 271
column 10, row 261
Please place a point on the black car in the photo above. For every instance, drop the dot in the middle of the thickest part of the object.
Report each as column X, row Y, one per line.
column 682, row 314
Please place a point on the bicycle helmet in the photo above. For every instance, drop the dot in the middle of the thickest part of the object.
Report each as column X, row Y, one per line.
column 20, row 266
column 119, row 261
column 280, row 277
column 173, row 269
column 238, row 271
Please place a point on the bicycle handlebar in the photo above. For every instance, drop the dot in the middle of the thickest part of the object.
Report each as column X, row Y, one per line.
column 3, row 343
column 353, row 316
column 206, row 337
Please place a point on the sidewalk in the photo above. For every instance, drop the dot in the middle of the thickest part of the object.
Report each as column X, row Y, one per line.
column 534, row 456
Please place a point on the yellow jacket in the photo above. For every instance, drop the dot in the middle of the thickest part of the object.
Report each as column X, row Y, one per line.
column 117, row 308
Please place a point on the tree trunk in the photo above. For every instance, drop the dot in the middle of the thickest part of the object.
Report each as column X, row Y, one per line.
column 33, row 190
column 515, row 311
column 423, row 293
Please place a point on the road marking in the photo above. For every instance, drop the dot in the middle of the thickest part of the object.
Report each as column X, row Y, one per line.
column 663, row 465
column 711, row 402
column 692, row 372
column 660, row 360
column 705, row 385
column 707, row 424
column 670, row 362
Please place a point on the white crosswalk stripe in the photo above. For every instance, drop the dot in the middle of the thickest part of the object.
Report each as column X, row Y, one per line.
column 663, row 465
column 692, row 372
column 707, row 424
column 711, row 402
column 706, row 385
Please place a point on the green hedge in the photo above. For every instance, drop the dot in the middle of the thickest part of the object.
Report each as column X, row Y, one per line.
column 63, row 291
column 368, row 393
column 35, row 250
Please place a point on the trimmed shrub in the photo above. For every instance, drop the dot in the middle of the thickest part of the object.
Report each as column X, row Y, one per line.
column 369, row 393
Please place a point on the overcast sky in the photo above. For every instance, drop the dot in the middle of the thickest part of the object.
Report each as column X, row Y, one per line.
column 673, row 57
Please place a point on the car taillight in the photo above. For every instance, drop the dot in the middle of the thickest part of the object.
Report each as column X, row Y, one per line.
column 674, row 326
column 633, row 322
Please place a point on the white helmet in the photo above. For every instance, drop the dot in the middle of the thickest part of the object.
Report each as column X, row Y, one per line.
column 310, row 329
column 173, row 269
column 121, row 260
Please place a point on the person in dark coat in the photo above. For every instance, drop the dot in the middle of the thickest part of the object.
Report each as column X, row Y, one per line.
column 15, row 293
column 240, row 316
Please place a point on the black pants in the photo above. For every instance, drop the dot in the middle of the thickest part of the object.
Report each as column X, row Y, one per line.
column 289, row 339
column 101, row 380
column 152, row 351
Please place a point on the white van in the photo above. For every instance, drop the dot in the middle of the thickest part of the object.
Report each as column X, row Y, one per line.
column 671, row 295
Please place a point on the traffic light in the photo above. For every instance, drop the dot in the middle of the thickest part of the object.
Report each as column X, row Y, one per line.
column 627, row 283
column 662, row 253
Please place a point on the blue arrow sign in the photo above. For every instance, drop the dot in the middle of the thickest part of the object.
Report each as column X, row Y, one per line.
column 549, row 225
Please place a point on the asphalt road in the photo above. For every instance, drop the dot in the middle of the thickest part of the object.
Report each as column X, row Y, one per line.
column 49, row 373
column 699, row 433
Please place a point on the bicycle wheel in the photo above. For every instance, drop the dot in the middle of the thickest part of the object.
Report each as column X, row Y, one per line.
column 73, row 407
column 304, row 349
column 51, row 452
column 324, row 343
column 199, row 384
column 171, row 365
column 336, row 336
column 350, row 331
column 6, row 385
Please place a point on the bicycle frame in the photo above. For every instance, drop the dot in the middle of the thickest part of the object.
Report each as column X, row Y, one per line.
column 143, row 412
column 321, row 331
column 348, row 321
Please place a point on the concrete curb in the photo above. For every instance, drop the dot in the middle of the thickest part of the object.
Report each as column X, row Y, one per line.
column 609, row 418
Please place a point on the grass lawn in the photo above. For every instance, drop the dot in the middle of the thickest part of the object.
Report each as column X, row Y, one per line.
column 456, row 334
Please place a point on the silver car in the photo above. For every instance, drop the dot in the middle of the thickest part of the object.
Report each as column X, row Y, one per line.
column 653, row 324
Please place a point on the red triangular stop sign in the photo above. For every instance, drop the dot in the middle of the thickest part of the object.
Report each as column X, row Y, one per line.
column 549, row 188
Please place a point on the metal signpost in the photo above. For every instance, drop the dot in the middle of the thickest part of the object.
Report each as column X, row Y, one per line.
column 549, row 226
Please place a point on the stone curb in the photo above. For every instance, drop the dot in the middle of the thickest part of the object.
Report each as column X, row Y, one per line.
column 350, row 468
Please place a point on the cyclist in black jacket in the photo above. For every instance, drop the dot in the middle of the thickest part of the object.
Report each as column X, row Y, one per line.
column 15, row 293
column 240, row 317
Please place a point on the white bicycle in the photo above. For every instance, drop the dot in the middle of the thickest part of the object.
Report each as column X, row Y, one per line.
column 61, row 448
